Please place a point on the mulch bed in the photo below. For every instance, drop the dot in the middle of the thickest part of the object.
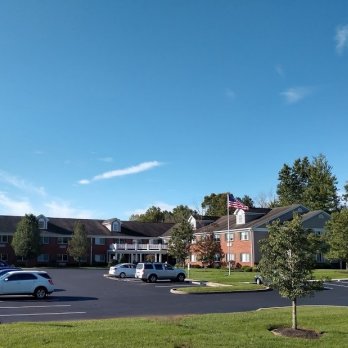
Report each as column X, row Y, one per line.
column 299, row 333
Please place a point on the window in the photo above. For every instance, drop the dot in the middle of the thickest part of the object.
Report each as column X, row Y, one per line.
column 3, row 257
column 244, row 235
column 158, row 267
column 193, row 258
column 99, row 241
column 244, row 257
column 44, row 240
column 116, row 226
column 62, row 240
column 230, row 257
column 240, row 219
column 229, row 236
column 62, row 258
column 43, row 258
column 99, row 258
column 42, row 224
column 22, row 276
column 217, row 237
column 4, row 239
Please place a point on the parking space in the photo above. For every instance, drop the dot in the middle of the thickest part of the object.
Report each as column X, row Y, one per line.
column 89, row 294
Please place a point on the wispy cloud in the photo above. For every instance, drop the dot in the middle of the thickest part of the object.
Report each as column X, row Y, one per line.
column 64, row 209
column 142, row 167
column 11, row 206
column 21, row 183
column 294, row 95
column 341, row 38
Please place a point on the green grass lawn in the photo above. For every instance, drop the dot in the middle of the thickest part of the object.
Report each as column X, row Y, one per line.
column 249, row 329
column 222, row 276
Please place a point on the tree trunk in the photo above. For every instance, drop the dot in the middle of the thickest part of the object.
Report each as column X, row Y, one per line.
column 294, row 314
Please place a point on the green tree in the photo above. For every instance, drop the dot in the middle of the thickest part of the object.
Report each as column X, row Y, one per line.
column 153, row 214
column 309, row 183
column 182, row 212
column 207, row 248
column 336, row 236
column 215, row 204
column 78, row 244
column 287, row 261
column 26, row 239
column 345, row 195
column 180, row 241
column 247, row 200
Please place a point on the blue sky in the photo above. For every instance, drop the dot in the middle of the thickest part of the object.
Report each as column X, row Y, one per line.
column 110, row 107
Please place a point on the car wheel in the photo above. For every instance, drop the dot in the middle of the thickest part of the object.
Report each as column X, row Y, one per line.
column 152, row 278
column 40, row 293
column 122, row 275
column 180, row 277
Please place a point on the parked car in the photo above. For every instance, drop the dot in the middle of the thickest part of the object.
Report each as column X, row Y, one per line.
column 151, row 272
column 36, row 283
column 9, row 269
column 123, row 270
column 3, row 264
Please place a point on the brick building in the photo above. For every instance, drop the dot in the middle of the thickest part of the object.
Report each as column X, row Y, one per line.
column 127, row 241
column 239, row 239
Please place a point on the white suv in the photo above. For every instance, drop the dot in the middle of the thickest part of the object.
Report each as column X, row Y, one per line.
column 36, row 283
column 151, row 272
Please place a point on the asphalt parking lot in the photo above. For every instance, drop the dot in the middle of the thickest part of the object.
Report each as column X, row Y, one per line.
column 88, row 294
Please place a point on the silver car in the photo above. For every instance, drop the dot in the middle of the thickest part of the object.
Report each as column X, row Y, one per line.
column 151, row 272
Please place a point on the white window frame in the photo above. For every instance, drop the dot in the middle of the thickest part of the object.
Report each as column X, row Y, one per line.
column 230, row 257
column 231, row 236
column 244, row 257
column 44, row 240
column 244, row 235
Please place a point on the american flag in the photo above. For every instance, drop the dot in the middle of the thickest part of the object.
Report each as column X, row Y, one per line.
column 234, row 203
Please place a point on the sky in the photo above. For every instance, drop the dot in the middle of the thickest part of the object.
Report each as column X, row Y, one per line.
column 110, row 107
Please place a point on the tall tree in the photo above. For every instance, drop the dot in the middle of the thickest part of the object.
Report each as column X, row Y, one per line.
column 182, row 212
column 309, row 183
column 26, row 239
column 78, row 244
column 207, row 248
column 287, row 260
column 215, row 204
column 153, row 214
column 180, row 241
column 247, row 200
column 336, row 236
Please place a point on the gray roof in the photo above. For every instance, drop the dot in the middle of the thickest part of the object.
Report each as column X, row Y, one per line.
column 65, row 226
column 266, row 217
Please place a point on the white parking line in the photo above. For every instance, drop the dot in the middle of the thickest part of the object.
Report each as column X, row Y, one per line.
column 15, row 307
column 36, row 314
column 338, row 285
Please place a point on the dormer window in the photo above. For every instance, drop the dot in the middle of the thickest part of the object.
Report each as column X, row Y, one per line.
column 42, row 222
column 116, row 226
column 240, row 217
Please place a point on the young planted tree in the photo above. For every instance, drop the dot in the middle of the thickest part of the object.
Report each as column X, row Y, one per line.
column 180, row 241
column 287, row 261
column 26, row 239
column 207, row 248
column 336, row 237
column 78, row 244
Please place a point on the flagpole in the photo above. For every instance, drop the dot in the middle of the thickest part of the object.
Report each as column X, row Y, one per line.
column 228, row 235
